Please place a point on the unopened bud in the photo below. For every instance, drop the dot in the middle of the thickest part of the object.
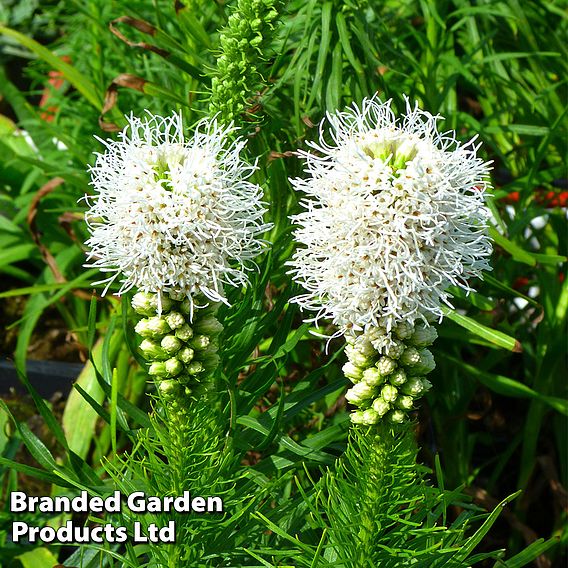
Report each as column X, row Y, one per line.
column 175, row 320
column 389, row 393
column 152, row 328
column 405, row 402
column 360, row 393
column 370, row 417
column 169, row 387
column 158, row 369
column 404, row 330
column 380, row 406
column 372, row 377
column 357, row 357
column 153, row 351
column 148, row 304
column 357, row 417
column 171, row 344
column 426, row 363
column 210, row 361
column 184, row 333
column 397, row 416
column 386, row 366
column 200, row 342
column 410, row 357
column 208, row 325
column 352, row 372
column 173, row 367
column 424, row 336
column 394, row 349
column 415, row 386
column 142, row 304
column 194, row 368
column 397, row 378
column 185, row 307
column 185, row 354
column 364, row 346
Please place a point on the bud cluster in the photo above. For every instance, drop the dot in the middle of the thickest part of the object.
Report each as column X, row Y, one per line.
column 388, row 370
column 244, row 41
column 178, row 353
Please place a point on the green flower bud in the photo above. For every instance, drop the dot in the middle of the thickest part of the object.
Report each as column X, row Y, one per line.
column 386, row 366
column 380, row 406
column 415, row 386
column 185, row 354
column 142, row 304
column 185, row 333
column 404, row 330
column 168, row 387
column 148, row 304
column 208, row 325
column 357, row 417
column 426, row 363
column 153, row 351
column 173, row 367
column 158, row 369
column 175, row 320
column 405, row 402
column 195, row 367
column 210, row 361
column 357, row 357
column 360, row 393
column 370, row 417
column 365, row 417
column 397, row 378
column 152, row 328
column 200, row 342
column 176, row 296
column 372, row 377
column 171, row 344
column 352, row 372
column 185, row 307
column 389, row 393
column 394, row 349
column 424, row 336
column 397, row 416
column 410, row 357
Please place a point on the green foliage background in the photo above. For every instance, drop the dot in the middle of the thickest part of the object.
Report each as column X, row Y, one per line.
column 495, row 421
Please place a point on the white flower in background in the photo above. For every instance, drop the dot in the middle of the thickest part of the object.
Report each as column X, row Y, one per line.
column 394, row 214
column 174, row 214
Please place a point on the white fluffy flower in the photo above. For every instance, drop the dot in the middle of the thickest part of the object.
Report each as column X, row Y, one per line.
column 394, row 214
column 174, row 214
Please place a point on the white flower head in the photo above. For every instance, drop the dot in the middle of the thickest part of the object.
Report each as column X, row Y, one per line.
column 174, row 214
column 394, row 214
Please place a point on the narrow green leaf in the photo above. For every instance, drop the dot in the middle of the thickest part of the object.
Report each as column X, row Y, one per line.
column 509, row 387
column 476, row 538
column 77, row 79
column 492, row 335
column 530, row 553
column 514, row 250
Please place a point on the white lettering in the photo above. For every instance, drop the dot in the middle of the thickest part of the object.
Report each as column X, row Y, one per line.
column 18, row 502
column 136, row 502
column 19, row 528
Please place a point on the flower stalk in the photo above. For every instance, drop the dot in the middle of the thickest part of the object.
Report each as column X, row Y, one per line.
column 182, row 356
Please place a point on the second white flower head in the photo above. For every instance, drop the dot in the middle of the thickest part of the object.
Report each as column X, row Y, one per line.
column 394, row 215
column 172, row 214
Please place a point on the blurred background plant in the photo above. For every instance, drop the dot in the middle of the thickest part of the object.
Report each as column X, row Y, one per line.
column 496, row 418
